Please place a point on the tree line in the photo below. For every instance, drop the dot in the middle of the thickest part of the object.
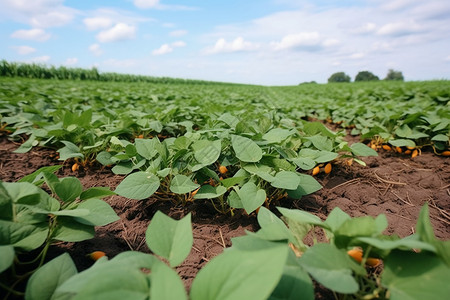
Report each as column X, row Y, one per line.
column 366, row 76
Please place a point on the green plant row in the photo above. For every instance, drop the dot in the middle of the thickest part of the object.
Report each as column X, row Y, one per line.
column 273, row 263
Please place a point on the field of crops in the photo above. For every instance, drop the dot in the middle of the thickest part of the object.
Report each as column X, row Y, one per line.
column 336, row 191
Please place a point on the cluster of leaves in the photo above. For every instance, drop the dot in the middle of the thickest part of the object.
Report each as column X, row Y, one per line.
column 32, row 219
column 411, row 114
column 261, row 265
column 261, row 162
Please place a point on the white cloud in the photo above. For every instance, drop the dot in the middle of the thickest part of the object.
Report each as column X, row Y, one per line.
column 118, row 32
column 178, row 44
column 144, row 4
column 53, row 18
column 24, row 50
column 41, row 59
column 38, row 13
column 400, row 28
column 71, row 61
column 304, row 41
column 35, row 34
column 447, row 58
column 164, row 49
column 177, row 33
column 95, row 49
column 97, row 23
column 366, row 28
column 357, row 55
column 237, row 45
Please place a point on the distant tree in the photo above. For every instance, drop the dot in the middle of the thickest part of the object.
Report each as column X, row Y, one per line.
column 308, row 82
column 394, row 75
column 366, row 76
column 339, row 77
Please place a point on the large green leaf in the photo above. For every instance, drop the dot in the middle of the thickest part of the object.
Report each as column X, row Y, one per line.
column 241, row 274
column 246, row 150
column 70, row 150
column 169, row 238
column 69, row 230
column 331, row 267
column 24, row 236
column 166, row 284
column 147, row 147
column 99, row 213
column 276, row 135
column 360, row 149
column 206, row 152
column 47, row 278
column 415, row 276
column 286, row 180
column 210, row 192
column 307, row 185
column 68, row 189
column 182, row 184
column 251, row 196
column 120, row 278
column 140, row 185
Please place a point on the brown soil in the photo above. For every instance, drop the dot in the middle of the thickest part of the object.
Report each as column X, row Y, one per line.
column 390, row 184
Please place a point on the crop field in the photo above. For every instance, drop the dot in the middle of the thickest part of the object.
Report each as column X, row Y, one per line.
column 200, row 190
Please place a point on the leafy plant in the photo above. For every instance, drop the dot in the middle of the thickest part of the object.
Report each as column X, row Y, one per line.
column 31, row 219
column 262, row 265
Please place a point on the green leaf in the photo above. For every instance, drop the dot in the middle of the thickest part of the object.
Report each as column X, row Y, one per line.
column 294, row 284
column 104, row 158
column 100, row 213
column 147, row 148
column 321, row 142
column 331, row 267
column 182, row 184
column 260, row 170
column 305, row 163
column 210, row 192
column 24, row 236
column 49, row 277
column 240, row 274
column 229, row 182
column 251, row 196
column 272, row 228
column 69, row 230
column 360, row 149
column 68, row 189
column 207, row 152
column 402, row 143
column 165, row 283
column 300, row 216
column 440, row 138
column 117, row 279
column 70, row 150
column 286, row 180
column 31, row 178
column 138, row 186
column 25, row 147
column 246, row 150
column 307, row 185
column 96, row 192
column 6, row 204
column 6, row 257
column 415, row 276
column 169, row 238
column 276, row 135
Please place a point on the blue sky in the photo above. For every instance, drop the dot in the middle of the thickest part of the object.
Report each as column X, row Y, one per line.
column 269, row 42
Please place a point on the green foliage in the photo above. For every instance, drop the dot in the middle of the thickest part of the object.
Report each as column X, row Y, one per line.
column 32, row 219
column 366, row 76
column 261, row 265
column 339, row 77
